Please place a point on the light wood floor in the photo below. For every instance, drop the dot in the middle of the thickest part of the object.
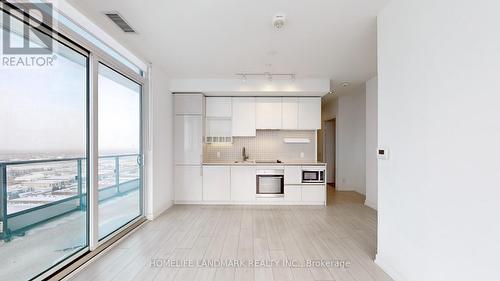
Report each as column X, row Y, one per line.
column 344, row 231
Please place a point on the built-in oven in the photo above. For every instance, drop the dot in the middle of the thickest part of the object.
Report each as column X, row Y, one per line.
column 270, row 183
column 313, row 175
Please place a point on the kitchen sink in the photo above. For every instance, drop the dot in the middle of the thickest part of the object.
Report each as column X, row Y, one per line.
column 245, row 162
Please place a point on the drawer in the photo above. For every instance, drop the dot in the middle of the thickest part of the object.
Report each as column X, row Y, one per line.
column 313, row 193
column 293, row 193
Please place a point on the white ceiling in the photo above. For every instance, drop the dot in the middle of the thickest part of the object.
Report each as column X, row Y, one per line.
column 334, row 39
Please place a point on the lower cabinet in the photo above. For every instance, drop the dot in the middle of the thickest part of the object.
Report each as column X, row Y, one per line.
column 293, row 193
column 243, row 183
column 188, row 183
column 313, row 193
column 216, row 183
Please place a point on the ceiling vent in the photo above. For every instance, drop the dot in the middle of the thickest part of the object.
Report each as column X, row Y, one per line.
column 118, row 20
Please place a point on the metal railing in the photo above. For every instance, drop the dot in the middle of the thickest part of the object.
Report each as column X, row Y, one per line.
column 17, row 223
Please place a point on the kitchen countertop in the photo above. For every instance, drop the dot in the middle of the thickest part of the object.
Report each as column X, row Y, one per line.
column 250, row 163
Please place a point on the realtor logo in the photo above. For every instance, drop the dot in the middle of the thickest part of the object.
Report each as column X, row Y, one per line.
column 34, row 41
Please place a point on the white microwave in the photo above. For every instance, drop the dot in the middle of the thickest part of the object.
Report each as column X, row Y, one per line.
column 313, row 175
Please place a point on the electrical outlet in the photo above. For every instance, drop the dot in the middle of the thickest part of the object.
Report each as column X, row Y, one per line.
column 343, row 180
column 218, row 154
column 302, row 155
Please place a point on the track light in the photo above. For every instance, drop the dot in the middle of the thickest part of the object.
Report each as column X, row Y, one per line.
column 268, row 75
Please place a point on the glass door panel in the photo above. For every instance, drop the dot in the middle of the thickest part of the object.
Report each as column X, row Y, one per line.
column 120, row 170
column 43, row 108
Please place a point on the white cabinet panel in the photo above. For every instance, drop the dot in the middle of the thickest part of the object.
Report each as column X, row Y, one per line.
column 293, row 193
column 243, row 184
column 309, row 113
column 189, row 103
column 243, row 121
column 290, row 113
column 268, row 113
column 313, row 193
column 218, row 107
column 216, row 183
column 188, row 183
column 293, row 175
column 188, row 139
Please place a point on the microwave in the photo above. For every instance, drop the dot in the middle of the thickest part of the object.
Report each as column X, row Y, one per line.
column 313, row 175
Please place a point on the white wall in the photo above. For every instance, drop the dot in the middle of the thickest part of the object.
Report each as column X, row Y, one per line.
column 349, row 111
column 161, row 145
column 371, row 144
column 439, row 116
column 351, row 141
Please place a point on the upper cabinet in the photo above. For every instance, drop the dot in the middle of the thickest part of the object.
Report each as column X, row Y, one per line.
column 189, row 104
column 269, row 113
column 309, row 113
column 290, row 114
column 243, row 122
column 219, row 107
column 218, row 119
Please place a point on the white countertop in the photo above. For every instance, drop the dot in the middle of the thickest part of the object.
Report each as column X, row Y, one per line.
column 251, row 163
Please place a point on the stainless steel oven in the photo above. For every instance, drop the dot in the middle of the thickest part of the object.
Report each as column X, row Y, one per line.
column 313, row 175
column 270, row 183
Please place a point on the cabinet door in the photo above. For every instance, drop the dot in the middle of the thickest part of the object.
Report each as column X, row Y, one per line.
column 313, row 193
column 244, row 117
column 243, row 184
column 268, row 113
column 309, row 113
column 290, row 118
column 189, row 103
column 293, row 193
column 218, row 107
column 188, row 183
column 188, row 139
column 216, row 183
column 293, row 175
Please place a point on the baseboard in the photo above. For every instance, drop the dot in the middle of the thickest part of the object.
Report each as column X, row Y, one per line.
column 371, row 204
column 394, row 274
column 159, row 213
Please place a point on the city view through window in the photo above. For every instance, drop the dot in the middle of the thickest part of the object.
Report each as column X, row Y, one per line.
column 43, row 157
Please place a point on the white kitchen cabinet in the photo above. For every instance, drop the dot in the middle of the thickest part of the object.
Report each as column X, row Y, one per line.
column 293, row 193
column 188, row 183
column 243, row 119
column 189, row 104
column 243, row 183
column 313, row 193
column 188, row 139
column 309, row 113
column 293, row 175
column 290, row 113
column 268, row 111
column 218, row 127
column 218, row 107
column 216, row 183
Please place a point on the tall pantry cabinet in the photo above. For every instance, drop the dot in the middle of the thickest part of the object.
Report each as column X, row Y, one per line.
column 188, row 145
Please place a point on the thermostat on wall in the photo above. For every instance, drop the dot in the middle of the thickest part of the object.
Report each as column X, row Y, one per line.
column 382, row 153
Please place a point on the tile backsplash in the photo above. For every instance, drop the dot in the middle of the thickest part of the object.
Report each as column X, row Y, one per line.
column 267, row 145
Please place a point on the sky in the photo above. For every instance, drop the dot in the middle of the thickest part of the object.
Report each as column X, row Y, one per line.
column 43, row 109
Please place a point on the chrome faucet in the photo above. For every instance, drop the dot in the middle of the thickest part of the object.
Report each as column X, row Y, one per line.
column 244, row 154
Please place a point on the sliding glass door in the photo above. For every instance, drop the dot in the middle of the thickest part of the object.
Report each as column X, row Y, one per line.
column 120, row 169
column 43, row 156
column 59, row 197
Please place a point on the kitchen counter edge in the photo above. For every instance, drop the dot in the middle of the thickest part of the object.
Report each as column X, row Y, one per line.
column 263, row 164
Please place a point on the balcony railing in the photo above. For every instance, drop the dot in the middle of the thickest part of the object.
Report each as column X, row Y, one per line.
column 118, row 175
